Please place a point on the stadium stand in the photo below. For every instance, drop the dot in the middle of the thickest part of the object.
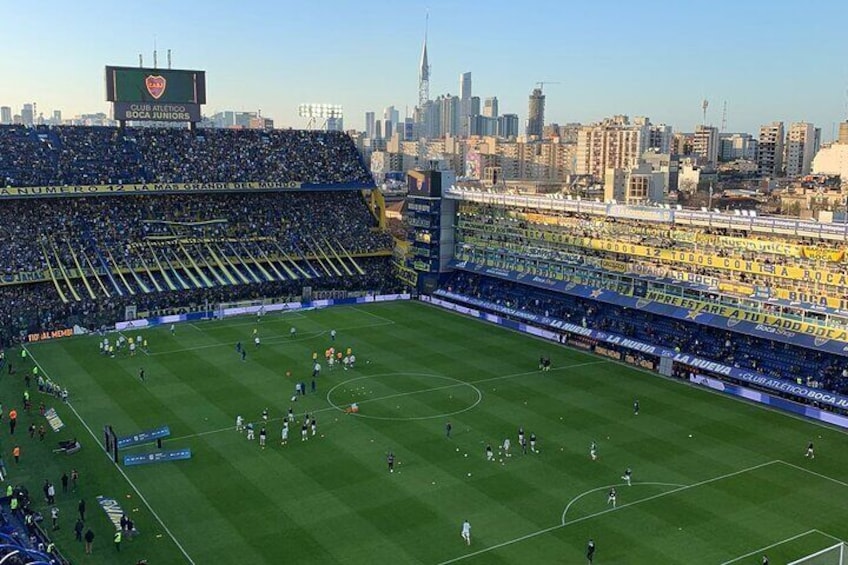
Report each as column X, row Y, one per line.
column 22, row 537
column 83, row 259
column 77, row 155
column 818, row 369
column 770, row 295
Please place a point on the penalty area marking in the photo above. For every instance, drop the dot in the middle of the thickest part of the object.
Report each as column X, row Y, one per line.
column 607, row 511
column 814, row 473
column 598, row 489
column 138, row 346
column 373, row 315
column 761, row 549
column 456, row 383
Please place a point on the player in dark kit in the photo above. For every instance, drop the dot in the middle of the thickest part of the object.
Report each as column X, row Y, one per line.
column 636, row 407
column 765, row 560
column 590, row 551
column 390, row 460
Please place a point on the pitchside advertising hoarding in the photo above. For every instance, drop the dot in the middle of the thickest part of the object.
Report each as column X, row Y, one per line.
column 164, row 95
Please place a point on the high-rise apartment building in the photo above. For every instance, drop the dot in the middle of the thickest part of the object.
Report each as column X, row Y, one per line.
column 335, row 124
column 430, row 120
column 5, row 115
column 770, row 150
column 738, row 146
column 706, row 145
column 483, row 125
column 536, row 113
column 390, row 114
column 843, row 133
column 613, row 143
column 508, row 126
column 475, row 106
column 464, row 105
column 465, row 86
column 490, row 107
column 28, row 114
column 659, row 137
column 802, row 144
column 370, row 118
column 449, row 115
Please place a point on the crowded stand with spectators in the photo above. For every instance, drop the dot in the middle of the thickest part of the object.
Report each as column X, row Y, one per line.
column 23, row 535
column 82, row 259
column 77, row 155
column 794, row 278
column 776, row 302
column 814, row 368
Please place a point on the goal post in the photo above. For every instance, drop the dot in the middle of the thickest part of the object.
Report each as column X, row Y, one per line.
column 239, row 308
column 258, row 307
column 833, row 555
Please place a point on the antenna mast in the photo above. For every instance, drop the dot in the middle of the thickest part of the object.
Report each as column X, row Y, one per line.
column 724, row 117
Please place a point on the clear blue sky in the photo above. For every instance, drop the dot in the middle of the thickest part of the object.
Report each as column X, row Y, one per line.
column 770, row 60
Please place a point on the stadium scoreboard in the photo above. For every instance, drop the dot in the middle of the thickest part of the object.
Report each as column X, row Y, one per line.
column 426, row 184
column 162, row 95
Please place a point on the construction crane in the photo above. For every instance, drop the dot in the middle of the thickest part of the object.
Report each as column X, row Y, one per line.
column 541, row 84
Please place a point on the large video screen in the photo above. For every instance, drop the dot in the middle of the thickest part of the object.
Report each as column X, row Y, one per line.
column 170, row 86
column 424, row 183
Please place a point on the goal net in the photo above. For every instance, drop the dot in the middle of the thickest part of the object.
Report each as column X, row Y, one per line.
column 834, row 555
column 240, row 308
column 254, row 307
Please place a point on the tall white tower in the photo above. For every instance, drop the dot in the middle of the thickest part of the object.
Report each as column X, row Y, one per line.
column 424, row 71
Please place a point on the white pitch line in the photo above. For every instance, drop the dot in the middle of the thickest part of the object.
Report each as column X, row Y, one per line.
column 829, row 427
column 588, row 492
column 825, row 477
column 827, row 535
column 269, row 341
column 444, row 387
column 607, row 511
column 222, row 324
column 761, row 549
column 278, row 340
column 120, row 470
column 396, row 395
column 138, row 345
column 373, row 315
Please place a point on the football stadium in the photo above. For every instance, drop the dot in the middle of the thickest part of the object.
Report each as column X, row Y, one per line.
column 215, row 351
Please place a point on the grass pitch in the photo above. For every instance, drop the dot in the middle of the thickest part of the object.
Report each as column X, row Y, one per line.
column 714, row 480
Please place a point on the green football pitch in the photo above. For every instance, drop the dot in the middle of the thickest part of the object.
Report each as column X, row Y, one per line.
column 715, row 480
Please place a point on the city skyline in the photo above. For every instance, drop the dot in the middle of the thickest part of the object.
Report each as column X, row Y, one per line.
column 256, row 60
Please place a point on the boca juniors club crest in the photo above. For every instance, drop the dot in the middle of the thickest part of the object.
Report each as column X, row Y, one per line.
column 155, row 85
